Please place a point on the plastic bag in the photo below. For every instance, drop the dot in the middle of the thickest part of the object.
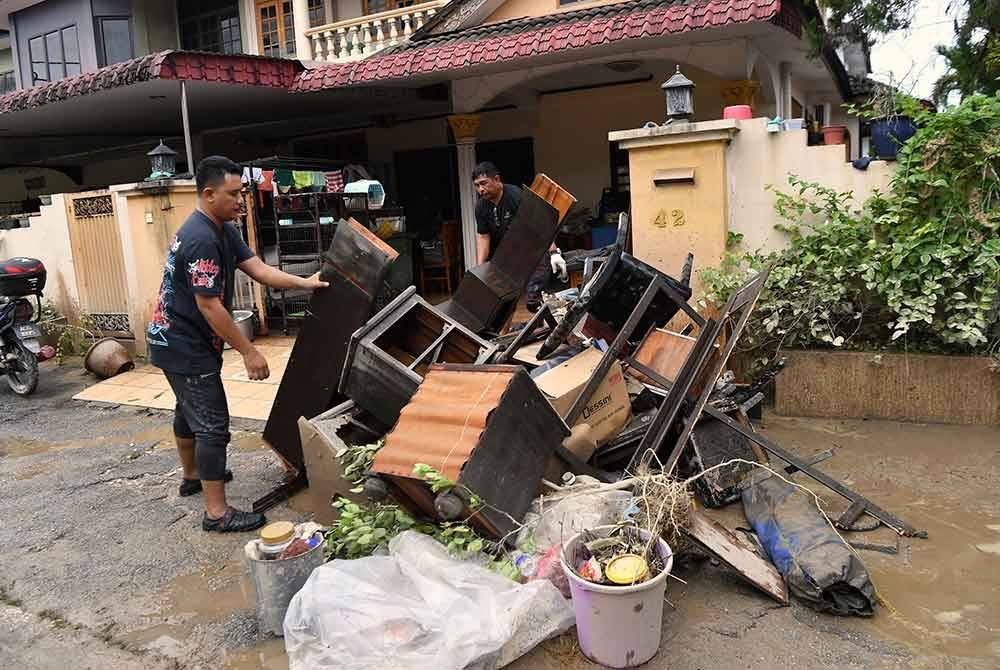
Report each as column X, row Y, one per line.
column 550, row 569
column 556, row 518
column 417, row 608
column 816, row 564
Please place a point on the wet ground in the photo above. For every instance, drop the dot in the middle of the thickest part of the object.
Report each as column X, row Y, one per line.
column 103, row 566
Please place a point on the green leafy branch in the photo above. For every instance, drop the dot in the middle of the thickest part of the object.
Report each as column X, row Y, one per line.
column 439, row 483
column 356, row 462
column 917, row 266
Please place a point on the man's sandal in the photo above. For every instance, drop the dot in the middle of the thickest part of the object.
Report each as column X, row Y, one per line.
column 233, row 521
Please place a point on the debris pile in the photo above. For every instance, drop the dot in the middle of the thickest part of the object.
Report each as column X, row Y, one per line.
column 575, row 453
column 621, row 558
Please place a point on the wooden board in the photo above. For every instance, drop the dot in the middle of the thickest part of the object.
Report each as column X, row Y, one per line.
column 326, row 478
column 486, row 296
column 258, row 289
column 721, row 542
column 355, row 266
column 664, row 352
column 553, row 193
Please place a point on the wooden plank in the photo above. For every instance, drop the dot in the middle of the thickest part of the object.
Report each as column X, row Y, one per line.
column 488, row 293
column 326, row 476
column 663, row 351
column 721, row 542
column 258, row 288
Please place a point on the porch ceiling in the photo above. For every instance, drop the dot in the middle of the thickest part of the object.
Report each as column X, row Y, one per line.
column 69, row 123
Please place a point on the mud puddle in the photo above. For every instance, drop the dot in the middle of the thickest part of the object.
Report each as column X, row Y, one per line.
column 191, row 600
column 114, row 432
column 941, row 596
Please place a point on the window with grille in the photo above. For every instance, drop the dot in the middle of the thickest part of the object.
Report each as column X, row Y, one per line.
column 276, row 28
column 317, row 13
column 8, row 82
column 114, row 39
column 54, row 55
column 216, row 30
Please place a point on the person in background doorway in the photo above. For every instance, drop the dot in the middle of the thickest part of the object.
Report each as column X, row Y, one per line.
column 191, row 321
column 497, row 205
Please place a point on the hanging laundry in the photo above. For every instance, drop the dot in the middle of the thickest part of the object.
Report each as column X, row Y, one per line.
column 334, row 181
column 283, row 179
column 253, row 175
column 302, row 179
column 266, row 185
column 318, row 182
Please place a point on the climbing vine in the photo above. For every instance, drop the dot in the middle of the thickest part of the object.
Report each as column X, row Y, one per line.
column 916, row 267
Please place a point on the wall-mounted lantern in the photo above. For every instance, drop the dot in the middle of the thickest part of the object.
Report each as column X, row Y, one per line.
column 163, row 162
column 680, row 96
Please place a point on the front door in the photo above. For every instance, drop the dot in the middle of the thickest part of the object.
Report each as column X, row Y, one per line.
column 275, row 28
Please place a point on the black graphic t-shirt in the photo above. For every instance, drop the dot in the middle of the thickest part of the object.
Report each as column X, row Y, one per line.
column 201, row 259
column 494, row 220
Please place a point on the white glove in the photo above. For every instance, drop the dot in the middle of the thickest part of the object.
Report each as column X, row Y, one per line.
column 558, row 265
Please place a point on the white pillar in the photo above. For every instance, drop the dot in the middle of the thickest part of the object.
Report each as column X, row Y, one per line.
column 465, row 127
column 785, row 103
column 248, row 27
column 467, row 196
column 300, row 16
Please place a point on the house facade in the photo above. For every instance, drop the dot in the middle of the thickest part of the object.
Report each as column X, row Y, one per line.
column 416, row 92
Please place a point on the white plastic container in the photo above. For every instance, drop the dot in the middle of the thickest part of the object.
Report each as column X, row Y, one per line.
column 618, row 626
column 369, row 187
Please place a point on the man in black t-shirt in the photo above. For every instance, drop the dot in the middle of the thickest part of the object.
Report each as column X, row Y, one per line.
column 189, row 326
column 497, row 205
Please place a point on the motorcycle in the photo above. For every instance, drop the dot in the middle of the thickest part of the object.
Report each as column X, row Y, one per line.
column 20, row 335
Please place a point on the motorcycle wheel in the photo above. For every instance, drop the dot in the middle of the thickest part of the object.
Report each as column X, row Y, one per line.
column 22, row 373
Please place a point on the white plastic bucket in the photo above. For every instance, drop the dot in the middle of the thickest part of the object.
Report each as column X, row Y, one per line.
column 618, row 626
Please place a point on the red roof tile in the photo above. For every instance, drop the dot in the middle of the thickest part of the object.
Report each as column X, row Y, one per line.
column 442, row 53
column 179, row 65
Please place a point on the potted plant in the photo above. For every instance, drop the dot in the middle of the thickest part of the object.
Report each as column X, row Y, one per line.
column 834, row 134
column 891, row 124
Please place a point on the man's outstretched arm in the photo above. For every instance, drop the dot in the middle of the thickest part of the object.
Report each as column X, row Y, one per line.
column 271, row 276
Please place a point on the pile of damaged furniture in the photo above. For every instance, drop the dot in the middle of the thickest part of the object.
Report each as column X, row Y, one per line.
column 610, row 382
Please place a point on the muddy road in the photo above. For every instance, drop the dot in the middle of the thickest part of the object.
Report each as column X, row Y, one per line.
column 102, row 565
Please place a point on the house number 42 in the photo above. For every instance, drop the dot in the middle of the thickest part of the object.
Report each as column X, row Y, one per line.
column 676, row 217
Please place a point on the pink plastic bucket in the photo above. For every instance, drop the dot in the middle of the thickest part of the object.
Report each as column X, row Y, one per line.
column 741, row 112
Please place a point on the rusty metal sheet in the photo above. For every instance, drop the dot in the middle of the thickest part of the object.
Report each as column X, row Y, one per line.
column 443, row 422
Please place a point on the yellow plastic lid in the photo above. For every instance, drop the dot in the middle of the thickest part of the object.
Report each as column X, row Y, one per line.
column 277, row 532
column 626, row 569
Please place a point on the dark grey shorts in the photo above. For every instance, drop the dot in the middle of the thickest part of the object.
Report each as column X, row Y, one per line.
column 203, row 413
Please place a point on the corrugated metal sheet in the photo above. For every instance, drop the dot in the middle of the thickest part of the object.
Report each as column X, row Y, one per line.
column 443, row 422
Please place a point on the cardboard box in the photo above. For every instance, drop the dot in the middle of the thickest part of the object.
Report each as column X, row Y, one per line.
column 607, row 411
